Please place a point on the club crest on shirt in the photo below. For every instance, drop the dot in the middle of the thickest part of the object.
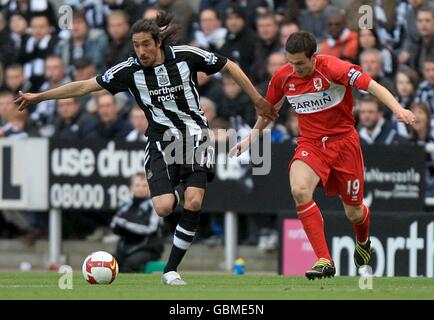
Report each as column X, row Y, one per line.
column 210, row 58
column 107, row 76
column 149, row 174
column 317, row 83
column 162, row 76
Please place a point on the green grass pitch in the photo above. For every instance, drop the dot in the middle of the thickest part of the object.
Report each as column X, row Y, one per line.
column 44, row 285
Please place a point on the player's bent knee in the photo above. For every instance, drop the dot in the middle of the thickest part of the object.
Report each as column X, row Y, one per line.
column 354, row 214
column 301, row 193
column 193, row 204
column 162, row 209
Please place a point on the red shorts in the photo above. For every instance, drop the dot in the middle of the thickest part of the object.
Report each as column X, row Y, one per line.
column 338, row 161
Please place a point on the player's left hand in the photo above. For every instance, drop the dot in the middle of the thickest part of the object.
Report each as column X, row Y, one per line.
column 266, row 110
column 26, row 99
column 405, row 116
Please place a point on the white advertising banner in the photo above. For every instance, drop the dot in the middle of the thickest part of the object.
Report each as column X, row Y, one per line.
column 24, row 174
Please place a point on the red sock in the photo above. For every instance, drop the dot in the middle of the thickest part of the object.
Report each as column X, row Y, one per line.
column 361, row 229
column 313, row 225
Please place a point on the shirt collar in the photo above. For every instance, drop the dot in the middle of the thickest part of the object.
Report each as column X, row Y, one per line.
column 168, row 53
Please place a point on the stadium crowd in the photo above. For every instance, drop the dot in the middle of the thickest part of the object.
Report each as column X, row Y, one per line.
column 36, row 54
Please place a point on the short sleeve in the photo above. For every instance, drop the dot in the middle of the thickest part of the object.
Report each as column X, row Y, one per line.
column 114, row 79
column 206, row 61
column 348, row 74
column 275, row 90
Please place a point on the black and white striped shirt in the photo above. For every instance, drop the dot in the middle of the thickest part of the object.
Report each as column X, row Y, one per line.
column 425, row 93
column 167, row 93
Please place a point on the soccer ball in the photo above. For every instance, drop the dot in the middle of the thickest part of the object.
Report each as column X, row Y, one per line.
column 100, row 268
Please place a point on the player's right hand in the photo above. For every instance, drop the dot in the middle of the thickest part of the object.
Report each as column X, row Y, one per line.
column 26, row 99
column 240, row 147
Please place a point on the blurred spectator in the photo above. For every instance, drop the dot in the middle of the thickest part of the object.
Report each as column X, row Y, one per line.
column 132, row 8
column 368, row 38
column 36, row 48
column 286, row 29
column 340, row 42
column 211, row 35
column 15, row 79
column 119, row 47
column 42, row 118
column 18, row 28
column 217, row 5
column 425, row 92
column 70, row 121
column 97, row 12
column 373, row 127
column 412, row 35
column 6, row 105
column 209, row 108
column 108, row 125
column 371, row 61
column 140, row 125
column 7, row 55
column 54, row 73
column 235, row 103
column 425, row 46
column 268, row 32
column 30, row 8
column 421, row 133
column 16, row 124
column 84, row 69
column 400, row 24
column 209, row 86
column 406, row 83
column 275, row 61
column 240, row 40
column 93, row 11
column 183, row 16
column 84, row 42
column 251, row 8
column 314, row 18
column 139, row 228
column 150, row 13
column 290, row 9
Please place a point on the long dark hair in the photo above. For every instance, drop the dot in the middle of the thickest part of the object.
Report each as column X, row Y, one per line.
column 161, row 29
column 414, row 135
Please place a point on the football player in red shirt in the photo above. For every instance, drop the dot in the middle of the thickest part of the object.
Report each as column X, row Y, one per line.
column 328, row 154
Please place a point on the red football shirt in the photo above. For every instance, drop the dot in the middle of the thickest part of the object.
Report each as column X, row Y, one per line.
column 323, row 102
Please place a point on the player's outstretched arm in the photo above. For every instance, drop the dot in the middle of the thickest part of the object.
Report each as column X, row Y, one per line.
column 245, row 144
column 69, row 90
column 263, row 107
column 402, row 115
